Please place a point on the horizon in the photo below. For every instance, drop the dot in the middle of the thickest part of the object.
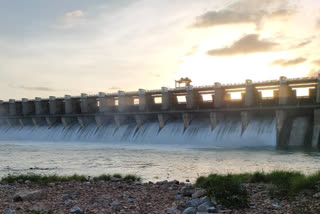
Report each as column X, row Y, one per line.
column 56, row 48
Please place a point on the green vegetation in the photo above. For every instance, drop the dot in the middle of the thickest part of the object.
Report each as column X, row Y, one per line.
column 226, row 189
column 229, row 191
column 45, row 179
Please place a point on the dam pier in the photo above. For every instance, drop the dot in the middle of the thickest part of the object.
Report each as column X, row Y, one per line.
column 296, row 117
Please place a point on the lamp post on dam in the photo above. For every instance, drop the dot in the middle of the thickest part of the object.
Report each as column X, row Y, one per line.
column 163, row 104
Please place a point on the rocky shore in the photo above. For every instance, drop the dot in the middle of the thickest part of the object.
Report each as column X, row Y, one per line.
column 127, row 196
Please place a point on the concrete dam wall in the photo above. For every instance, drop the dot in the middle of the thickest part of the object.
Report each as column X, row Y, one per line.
column 174, row 116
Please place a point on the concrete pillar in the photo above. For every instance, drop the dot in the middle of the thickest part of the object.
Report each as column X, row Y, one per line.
column 284, row 91
column 84, row 103
column 3, row 108
column 145, row 100
column 191, row 98
column 245, row 119
column 281, row 117
column 12, row 107
column 218, row 95
column 119, row 120
column 318, row 90
column 215, row 118
column 140, row 120
column 124, row 101
column 27, row 107
column 51, row 121
column 163, row 119
column 41, row 106
column 316, row 128
column 67, row 104
column 168, row 99
column 250, row 95
column 187, row 118
column 53, row 107
column 105, row 103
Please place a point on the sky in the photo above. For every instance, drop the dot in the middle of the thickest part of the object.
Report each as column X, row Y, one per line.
column 79, row 46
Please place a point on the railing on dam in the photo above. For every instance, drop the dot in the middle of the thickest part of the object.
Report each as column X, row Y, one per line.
column 213, row 101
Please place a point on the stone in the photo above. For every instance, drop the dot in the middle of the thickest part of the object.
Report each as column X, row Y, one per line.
column 202, row 213
column 65, row 197
column 317, row 195
column 173, row 210
column 8, row 211
column 178, row 197
column 132, row 200
column 187, row 190
column 199, row 193
column 205, row 199
column 204, row 206
column 193, row 203
column 69, row 202
column 212, row 210
column 190, row 210
column 27, row 195
column 114, row 203
column 187, row 180
column 76, row 210
column 27, row 182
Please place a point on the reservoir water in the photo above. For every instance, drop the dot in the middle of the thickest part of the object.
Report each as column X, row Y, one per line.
column 153, row 154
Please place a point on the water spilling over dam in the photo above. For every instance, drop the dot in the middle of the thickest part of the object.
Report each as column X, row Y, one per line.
column 139, row 117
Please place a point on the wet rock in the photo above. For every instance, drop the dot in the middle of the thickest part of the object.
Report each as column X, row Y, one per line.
column 76, row 210
column 115, row 179
column 8, row 211
column 199, row 193
column 187, row 190
column 193, row 203
column 27, row 195
column 202, row 213
column 190, row 210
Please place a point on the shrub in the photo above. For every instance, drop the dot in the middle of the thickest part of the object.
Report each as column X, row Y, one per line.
column 104, row 177
column 117, row 175
column 227, row 190
column 132, row 177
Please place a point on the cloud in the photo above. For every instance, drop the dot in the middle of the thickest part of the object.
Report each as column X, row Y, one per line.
column 290, row 62
column 244, row 12
column 192, row 51
column 114, row 88
column 39, row 88
column 316, row 62
column 248, row 44
column 70, row 19
column 302, row 44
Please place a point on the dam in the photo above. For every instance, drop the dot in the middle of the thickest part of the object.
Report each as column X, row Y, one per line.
column 206, row 115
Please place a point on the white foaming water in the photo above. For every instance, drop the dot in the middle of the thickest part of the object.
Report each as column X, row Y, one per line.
column 259, row 133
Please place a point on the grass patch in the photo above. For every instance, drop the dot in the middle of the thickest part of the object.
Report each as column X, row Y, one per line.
column 226, row 189
column 45, row 179
column 131, row 177
column 284, row 184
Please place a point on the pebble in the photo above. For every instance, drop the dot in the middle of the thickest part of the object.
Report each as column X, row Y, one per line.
column 187, row 190
column 65, row 197
column 8, row 211
column 114, row 203
column 76, row 210
column 193, row 203
column 199, row 193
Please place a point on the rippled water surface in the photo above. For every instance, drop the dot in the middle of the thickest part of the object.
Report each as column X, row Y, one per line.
column 152, row 162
